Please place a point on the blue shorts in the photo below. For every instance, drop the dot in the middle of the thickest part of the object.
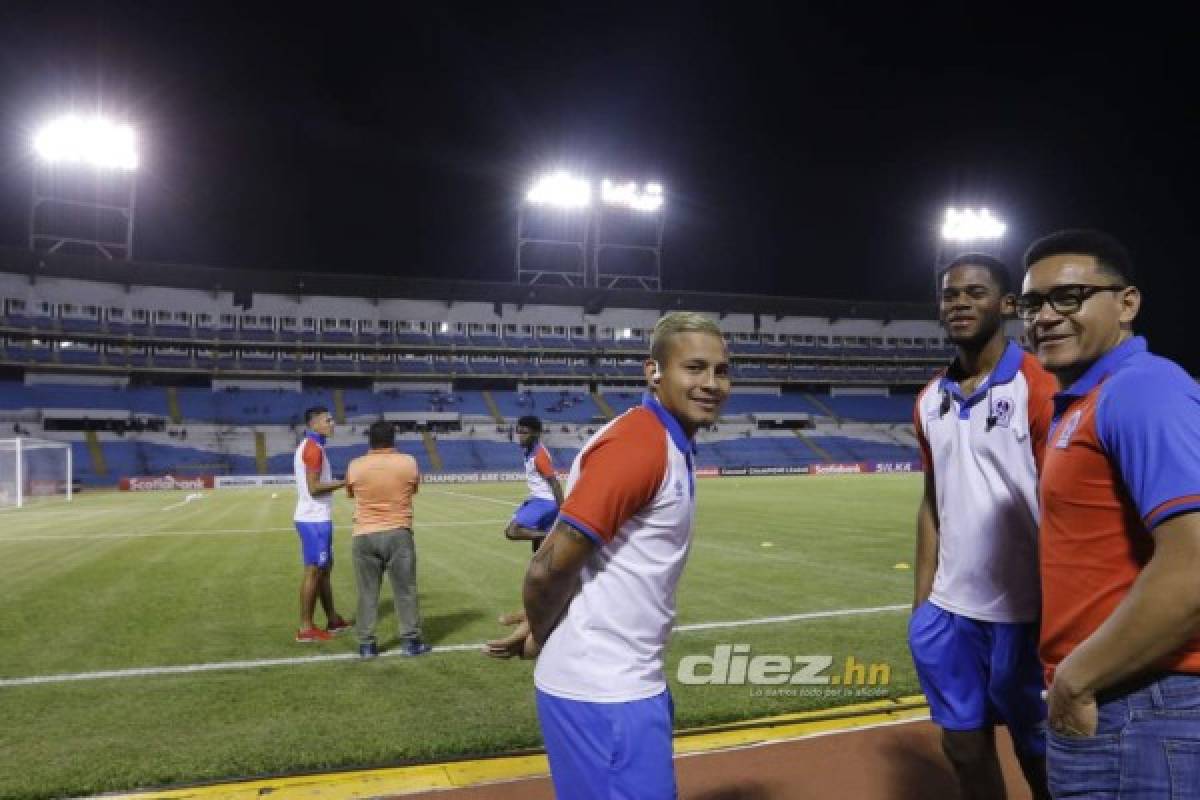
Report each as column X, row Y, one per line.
column 975, row 674
column 537, row 514
column 316, row 543
column 600, row 751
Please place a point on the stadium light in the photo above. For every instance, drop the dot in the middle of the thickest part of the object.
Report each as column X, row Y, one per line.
column 560, row 189
column 628, row 195
column 93, row 141
column 967, row 225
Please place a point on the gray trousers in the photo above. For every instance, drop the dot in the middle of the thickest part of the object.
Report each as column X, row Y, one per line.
column 391, row 552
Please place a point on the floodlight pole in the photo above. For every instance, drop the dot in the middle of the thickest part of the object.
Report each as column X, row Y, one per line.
column 530, row 275
column 617, row 281
column 589, row 238
column 47, row 199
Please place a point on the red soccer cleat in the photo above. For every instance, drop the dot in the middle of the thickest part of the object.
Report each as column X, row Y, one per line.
column 312, row 635
column 339, row 625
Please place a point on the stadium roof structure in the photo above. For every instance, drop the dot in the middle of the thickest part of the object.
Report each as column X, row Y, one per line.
column 592, row 300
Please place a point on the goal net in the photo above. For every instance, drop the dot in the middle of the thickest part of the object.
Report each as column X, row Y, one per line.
column 34, row 471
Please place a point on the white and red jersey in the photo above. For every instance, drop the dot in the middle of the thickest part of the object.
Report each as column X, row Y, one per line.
column 538, row 471
column 632, row 491
column 984, row 452
column 310, row 457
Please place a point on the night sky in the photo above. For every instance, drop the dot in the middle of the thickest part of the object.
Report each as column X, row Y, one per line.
column 806, row 152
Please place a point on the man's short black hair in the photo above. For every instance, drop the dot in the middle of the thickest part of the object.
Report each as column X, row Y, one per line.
column 381, row 434
column 1111, row 256
column 312, row 413
column 531, row 422
column 994, row 266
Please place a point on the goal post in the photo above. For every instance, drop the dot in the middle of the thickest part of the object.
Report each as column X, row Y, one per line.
column 34, row 471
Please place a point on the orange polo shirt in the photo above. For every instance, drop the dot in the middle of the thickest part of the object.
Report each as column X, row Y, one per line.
column 1123, row 456
column 382, row 484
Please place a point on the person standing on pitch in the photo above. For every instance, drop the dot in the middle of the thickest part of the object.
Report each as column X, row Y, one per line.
column 600, row 592
column 533, row 520
column 382, row 484
column 314, row 522
column 1120, row 532
column 973, row 633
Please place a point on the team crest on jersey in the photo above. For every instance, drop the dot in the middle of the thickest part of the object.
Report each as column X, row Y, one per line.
column 1002, row 412
column 1068, row 430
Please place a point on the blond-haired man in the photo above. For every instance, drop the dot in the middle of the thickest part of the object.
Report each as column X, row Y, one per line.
column 600, row 593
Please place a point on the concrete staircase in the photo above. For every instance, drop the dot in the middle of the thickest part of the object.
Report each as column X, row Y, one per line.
column 339, row 406
column 173, row 408
column 435, row 458
column 260, row 452
column 821, row 452
column 492, row 408
column 99, row 465
column 603, row 405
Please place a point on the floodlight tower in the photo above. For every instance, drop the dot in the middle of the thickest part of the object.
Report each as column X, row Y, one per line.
column 629, row 235
column 84, row 189
column 567, row 234
column 553, row 226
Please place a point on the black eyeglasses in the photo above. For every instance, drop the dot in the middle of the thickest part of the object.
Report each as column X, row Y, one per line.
column 1066, row 299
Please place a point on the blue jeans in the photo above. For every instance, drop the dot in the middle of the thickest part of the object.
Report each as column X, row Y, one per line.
column 1147, row 745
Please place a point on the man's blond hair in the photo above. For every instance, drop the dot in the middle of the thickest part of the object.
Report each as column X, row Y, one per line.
column 679, row 322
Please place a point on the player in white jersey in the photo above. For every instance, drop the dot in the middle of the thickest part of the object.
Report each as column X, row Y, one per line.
column 982, row 427
column 534, row 518
column 314, row 523
column 600, row 593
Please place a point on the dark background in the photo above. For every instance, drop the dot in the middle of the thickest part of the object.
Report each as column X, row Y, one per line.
column 805, row 151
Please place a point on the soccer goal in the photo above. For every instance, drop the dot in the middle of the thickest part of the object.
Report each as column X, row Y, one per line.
column 34, row 471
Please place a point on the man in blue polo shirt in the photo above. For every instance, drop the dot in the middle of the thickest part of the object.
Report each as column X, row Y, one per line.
column 1120, row 532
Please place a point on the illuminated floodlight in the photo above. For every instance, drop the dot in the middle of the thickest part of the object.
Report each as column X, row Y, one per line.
column 561, row 190
column 967, row 225
column 94, row 141
column 628, row 194
column 626, row 333
column 445, row 327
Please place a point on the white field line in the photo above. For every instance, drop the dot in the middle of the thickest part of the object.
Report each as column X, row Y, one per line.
column 65, row 512
column 508, row 503
column 742, row 623
column 184, row 502
column 216, row 532
column 186, row 669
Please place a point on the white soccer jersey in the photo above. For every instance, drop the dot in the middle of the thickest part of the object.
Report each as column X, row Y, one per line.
column 632, row 490
column 537, row 469
column 310, row 457
column 984, row 452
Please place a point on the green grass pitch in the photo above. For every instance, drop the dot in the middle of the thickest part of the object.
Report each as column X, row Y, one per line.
column 121, row 581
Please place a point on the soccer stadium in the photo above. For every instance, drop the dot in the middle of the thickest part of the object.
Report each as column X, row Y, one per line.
column 158, row 531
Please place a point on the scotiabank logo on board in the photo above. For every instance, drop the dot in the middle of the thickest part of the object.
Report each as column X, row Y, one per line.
column 159, row 483
column 837, row 469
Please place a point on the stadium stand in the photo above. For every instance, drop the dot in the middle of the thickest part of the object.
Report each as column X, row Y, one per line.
column 463, row 353
column 873, row 408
